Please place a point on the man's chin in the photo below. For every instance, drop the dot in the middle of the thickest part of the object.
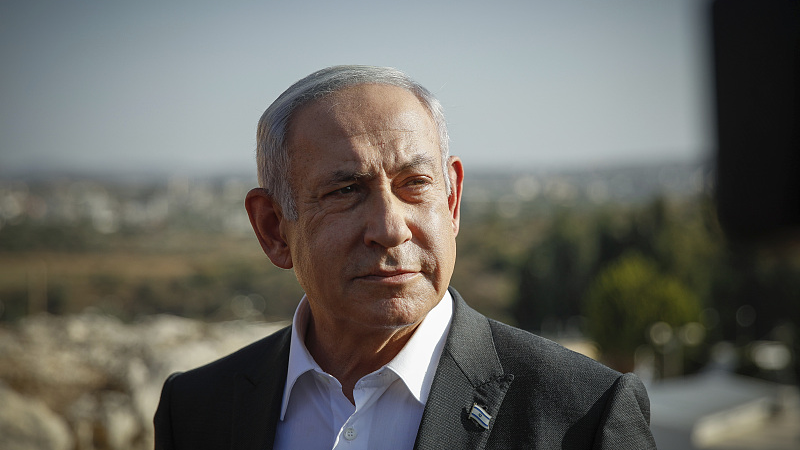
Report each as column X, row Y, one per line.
column 399, row 311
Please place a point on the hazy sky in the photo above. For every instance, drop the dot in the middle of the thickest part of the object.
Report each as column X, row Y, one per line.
column 178, row 86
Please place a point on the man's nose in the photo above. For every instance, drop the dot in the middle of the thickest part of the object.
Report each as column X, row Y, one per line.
column 386, row 221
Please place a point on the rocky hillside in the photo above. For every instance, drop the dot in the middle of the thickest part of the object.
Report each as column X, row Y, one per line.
column 91, row 382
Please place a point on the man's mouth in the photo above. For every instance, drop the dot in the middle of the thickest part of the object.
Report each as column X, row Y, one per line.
column 389, row 276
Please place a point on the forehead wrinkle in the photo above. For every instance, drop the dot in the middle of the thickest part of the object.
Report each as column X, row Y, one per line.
column 419, row 160
column 349, row 120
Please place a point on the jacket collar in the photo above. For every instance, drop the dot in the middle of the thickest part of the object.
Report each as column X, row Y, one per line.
column 258, row 393
column 469, row 374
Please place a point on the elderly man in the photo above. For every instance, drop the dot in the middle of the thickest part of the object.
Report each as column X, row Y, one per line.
column 359, row 196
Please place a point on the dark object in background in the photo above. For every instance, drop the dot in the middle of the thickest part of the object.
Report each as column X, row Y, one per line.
column 757, row 74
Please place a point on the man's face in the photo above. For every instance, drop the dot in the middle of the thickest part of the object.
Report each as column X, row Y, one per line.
column 374, row 242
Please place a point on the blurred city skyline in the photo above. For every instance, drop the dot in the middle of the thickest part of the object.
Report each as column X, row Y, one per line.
column 146, row 87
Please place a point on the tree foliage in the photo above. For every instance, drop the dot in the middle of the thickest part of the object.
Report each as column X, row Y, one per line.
column 629, row 296
column 676, row 250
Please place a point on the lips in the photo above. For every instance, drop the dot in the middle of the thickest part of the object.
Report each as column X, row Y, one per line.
column 389, row 276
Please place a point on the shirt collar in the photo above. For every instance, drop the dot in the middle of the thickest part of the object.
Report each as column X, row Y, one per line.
column 415, row 364
column 300, row 360
column 417, row 361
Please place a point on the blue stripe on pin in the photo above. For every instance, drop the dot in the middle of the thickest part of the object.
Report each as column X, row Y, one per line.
column 480, row 415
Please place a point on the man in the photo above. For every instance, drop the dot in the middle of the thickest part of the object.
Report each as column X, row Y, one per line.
column 359, row 196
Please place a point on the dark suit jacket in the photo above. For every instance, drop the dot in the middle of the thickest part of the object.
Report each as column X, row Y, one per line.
column 539, row 394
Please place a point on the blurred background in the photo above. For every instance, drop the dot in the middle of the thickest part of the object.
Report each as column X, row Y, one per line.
column 600, row 209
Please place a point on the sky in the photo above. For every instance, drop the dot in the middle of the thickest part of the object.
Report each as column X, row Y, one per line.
column 177, row 87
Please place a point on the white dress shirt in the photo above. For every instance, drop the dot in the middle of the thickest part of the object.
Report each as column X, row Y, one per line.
column 389, row 402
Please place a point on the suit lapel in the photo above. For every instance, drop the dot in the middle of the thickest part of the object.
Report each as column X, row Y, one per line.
column 258, row 395
column 469, row 373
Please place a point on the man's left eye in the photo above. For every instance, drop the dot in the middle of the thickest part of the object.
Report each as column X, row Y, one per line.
column 346, row 190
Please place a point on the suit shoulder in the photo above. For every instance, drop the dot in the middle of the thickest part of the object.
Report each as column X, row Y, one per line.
column 560, row 398
column 522, row 352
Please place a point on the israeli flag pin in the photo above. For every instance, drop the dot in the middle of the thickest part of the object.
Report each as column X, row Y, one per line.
column 480, row 416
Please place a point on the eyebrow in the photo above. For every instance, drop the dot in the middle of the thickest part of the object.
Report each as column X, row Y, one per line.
column 341, row 176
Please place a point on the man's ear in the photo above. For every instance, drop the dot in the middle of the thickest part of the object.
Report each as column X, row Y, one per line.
column 266, row 217
column 455, row 170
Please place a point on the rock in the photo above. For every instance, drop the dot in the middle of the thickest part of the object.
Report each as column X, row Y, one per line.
column 96, row 380
column 28, row 424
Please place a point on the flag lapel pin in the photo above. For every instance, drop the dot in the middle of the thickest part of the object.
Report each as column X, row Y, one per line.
column 480, row 416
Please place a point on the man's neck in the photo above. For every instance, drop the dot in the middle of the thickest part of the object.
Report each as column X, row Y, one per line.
column 349, row 356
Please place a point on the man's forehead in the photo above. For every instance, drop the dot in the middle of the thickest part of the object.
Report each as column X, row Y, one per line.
column 377, row 117
column 362, row 132
column 394, row 161
column 367, row 155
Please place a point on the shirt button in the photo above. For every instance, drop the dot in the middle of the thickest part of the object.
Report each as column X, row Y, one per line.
column 350, row 433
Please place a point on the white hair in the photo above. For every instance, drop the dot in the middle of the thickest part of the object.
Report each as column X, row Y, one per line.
column 272, row 153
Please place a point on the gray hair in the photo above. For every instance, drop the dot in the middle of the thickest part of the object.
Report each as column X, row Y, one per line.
column 272, row 152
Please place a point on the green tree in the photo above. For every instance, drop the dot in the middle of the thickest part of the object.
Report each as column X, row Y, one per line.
column 626, row 298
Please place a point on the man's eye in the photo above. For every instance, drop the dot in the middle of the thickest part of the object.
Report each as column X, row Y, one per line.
column 417, row 183
column 346, row 190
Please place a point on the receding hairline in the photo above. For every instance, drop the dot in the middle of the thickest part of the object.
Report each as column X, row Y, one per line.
column 329, row 100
